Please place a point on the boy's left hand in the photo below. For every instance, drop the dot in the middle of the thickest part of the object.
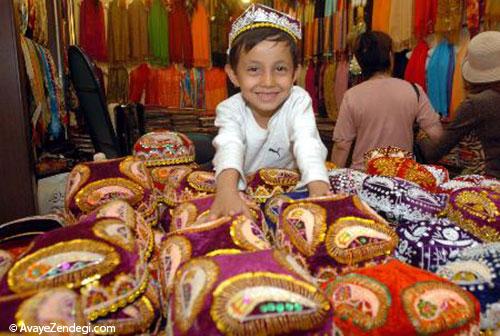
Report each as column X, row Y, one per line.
column 318, row 188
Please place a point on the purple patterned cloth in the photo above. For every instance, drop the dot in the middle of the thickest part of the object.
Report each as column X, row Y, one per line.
column 476, row 210
column 477, row 270
column 431, row 243
column 346, row 181
column 333, row 234
column 399, row 199
column 254, row 293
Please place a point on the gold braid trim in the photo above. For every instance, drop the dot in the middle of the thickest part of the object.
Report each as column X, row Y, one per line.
column 168, row 162
column 485, row 233
column 273, row 323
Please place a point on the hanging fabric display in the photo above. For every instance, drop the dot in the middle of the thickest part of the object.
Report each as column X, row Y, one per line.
column 158, row 33
column 415, row 69
column 93, row 41
column 439, row 76
column 201, row 36
column 118, row 38
column 138, row 30
column 180, row 40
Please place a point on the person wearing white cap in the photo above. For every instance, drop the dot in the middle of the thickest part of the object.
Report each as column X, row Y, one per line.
column 480, row 111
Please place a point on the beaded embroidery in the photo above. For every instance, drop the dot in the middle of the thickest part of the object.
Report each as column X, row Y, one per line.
column 102, row 191
column 279, row 177
column 134, row 169
column 194, row 282
column 362, row 299
column 78, row 177
column 434, row 306
column 202, row 181
column 305, row 225
column 116, row 232
column 66, row 263
column 351, row 240
column 164, row 148
column 477, row 204
column 264, row 303
column 346, row 180
column 389, row 151
column 247, row 235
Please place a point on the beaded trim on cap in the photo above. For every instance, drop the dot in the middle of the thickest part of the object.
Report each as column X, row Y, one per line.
column 258, row 16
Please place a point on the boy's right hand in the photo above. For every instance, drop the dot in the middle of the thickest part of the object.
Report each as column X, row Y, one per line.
column 228, row 203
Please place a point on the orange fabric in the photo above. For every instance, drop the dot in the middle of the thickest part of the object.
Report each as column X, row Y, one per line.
column 381, row 15
column 201, row 36
column 397, row 276
column 215, row 87
column 163, row 87
column 458, row 90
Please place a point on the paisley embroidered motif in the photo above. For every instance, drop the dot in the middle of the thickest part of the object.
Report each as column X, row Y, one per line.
column 477, row 204
column 279, row 177
column 294, row 263
column 202, row 181
column 305, row 225
column 78, row 177
column 205, row 226
column 116, row 232
column 174, row 251
column 247, row 235
column 176, row 175
column 360, row 298
column 473, row 273
column 66, row 263
column 352, row 239
column 264, row 303
column 194, row 282
column 118, row 209
column 105, row 190
column 58, row 305
column 135, row 170
column 272, row 208
column 435, row 306
column 5, row 262
column 184, row 215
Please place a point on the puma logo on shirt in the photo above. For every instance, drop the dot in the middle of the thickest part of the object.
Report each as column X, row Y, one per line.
column 276, row 151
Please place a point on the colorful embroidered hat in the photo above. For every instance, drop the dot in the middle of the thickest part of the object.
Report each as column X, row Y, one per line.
column 440, row 173
column 93, row 184
column 431, row 243
column 163, row 148
column 466, row 181
column 477, row 269
column 398, row 299
column 185, row 184
column 346, row 181
column 333, row 234
column 399, row 199
column 225, row 234
column 389, row 151
column 55, row 307
column 259, row 16
column 476, row 210
column 246, row 294
column 103, row 258
column 268, row 182
column 404, row 168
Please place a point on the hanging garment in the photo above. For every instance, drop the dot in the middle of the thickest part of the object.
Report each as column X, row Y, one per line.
column 425, row 17
column 472, row 13
column 311, row 88
column 138, row 31
column 201, row 36
column 381, row 15
column 219, row 32
column 138, row 82
column 439, row 77
column 401, row 24
column 118, row 41
column 215, row 87
column 341, row 80
column 329, row 90
column 415, row 70
column 158, row 33
column 449, row 18
column 458, row 91
column 117, row 84
column 40, row 29
column 492, row 14
column 180, row 40
column 93, row 41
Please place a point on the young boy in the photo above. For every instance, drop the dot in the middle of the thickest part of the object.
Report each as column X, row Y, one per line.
column 270, row 123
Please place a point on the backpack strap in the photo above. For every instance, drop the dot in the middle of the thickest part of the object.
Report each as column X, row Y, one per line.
column 416, row 90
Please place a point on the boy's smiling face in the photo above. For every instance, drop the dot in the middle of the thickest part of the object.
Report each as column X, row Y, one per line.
column 265, row 74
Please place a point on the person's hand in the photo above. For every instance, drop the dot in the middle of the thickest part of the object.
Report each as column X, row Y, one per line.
column 228, row 203
column 318, row 188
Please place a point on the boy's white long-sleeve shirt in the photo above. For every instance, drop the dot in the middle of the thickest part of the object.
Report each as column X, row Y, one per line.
column 290, row 141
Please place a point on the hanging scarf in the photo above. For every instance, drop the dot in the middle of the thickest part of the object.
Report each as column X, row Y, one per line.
column 138, row 30
column 425, row 17
column 415, row 70
column 381, row 15
column 439, row 78
column 400, row 24
column 93, row 41
column 458, row 91
column 472, row 12
column 158, row 33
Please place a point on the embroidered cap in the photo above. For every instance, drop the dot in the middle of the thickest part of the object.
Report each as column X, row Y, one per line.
column 259, row 16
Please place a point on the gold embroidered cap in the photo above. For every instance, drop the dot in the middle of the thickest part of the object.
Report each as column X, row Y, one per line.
column 258, row 16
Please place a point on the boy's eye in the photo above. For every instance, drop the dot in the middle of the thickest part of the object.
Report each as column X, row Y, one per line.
column 281, row 68
column 252, row 69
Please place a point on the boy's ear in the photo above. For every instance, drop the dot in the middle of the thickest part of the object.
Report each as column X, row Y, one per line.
column 232, row 75
column 297, row 72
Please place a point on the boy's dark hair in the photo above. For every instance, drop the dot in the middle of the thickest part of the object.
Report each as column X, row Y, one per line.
column 249, row 39
column 373, row 52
